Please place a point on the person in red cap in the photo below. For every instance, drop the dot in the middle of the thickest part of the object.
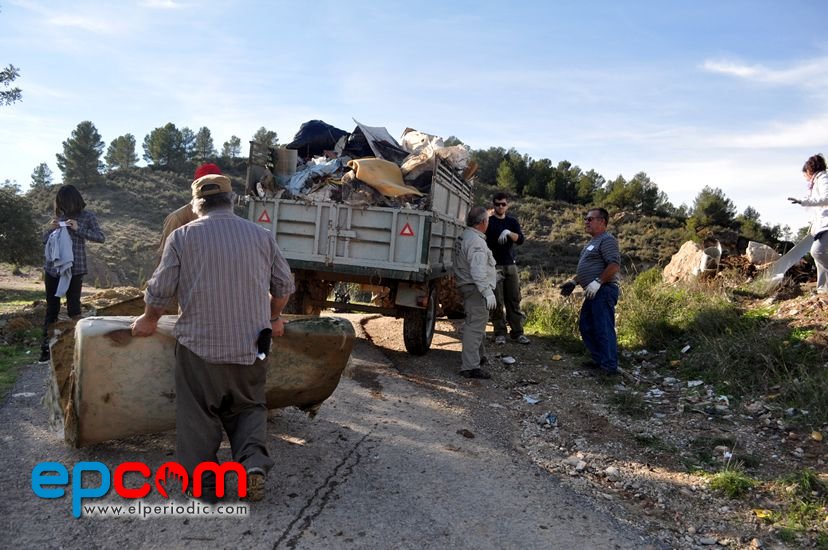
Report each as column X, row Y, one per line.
column 185, row 214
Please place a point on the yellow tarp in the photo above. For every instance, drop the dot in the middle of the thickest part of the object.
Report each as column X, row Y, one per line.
column 382, row 175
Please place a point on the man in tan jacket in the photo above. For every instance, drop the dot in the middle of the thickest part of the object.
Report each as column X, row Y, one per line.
column 185, row 214
column 476, row 277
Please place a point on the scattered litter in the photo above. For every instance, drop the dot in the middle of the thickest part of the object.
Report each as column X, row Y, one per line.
column 531, row 399
column 723, row 399
column 762, row 513
column 816, row 436
column 641, row 352
column 685, row 349
column 556, row 357
column 654, row 394
column 727, row 455
column 675, row 362
column 670, row 380
column 507, row 360
column 24, row 394
column 694, row 383
column 756, row 407
column 549, row 419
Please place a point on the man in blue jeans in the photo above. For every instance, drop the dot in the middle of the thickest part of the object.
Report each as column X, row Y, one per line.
column 597, row 273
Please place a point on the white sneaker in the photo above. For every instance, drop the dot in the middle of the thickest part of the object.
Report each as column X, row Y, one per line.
column 500, row 340
column 522, row 339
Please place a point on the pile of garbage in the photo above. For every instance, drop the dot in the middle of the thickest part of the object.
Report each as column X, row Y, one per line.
column 366, row 167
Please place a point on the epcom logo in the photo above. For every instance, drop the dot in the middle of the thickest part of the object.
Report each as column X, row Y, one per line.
column 49, row 480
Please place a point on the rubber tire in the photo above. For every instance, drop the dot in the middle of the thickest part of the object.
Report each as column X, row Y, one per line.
column 418, row 326
column 297, row 302
column 294, row 305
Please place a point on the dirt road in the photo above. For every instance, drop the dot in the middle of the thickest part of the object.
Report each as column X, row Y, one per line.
column 395, row 459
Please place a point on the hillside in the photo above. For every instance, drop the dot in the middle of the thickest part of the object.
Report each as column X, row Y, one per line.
column 555, row 235
column 131, row 208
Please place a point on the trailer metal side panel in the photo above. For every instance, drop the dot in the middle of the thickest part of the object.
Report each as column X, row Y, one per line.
column 333, row 237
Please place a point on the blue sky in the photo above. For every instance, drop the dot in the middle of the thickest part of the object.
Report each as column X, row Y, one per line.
column 730, row 94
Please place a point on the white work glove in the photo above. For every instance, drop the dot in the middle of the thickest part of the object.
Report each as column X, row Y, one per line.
column 503, row 236
column 491, row 302
column 592, row 289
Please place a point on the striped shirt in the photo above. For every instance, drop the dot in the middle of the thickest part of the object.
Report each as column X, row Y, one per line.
column 601, row 251
column 88, row 230
column 223, row 270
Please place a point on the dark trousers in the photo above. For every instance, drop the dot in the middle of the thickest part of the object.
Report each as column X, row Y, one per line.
column 597, row 326
column 73, row 302
column 507, row 294
column 211, row 396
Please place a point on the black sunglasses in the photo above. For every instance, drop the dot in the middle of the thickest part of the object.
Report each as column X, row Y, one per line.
column 500, row 204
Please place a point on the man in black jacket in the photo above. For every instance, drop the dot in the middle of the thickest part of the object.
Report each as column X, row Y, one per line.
column 503, row 236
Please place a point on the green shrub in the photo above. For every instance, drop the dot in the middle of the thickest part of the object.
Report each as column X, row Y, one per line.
column 652, row 314
column 557, row 319
column 732, row 482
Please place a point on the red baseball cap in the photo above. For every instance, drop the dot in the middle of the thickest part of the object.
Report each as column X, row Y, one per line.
column 207, row 168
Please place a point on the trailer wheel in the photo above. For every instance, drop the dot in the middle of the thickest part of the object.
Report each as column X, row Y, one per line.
column 300, row 300
column 418, row 325
column 451, row 301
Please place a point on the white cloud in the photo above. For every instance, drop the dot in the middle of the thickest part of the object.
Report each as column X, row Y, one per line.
column 811, row 73
column 809, row 134
column 162, row 4
column 97, row 25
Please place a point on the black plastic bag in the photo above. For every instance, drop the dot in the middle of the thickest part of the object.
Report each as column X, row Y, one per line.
column 314, row 138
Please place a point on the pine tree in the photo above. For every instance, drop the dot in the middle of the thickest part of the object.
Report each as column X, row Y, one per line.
column 266, row 137
column 7, row 76
column 19, row 233
column 41, row 176
column 164, row 148
column 231, row 148
column 188, row 139
column 712, row 207
column 267, row 140
column 81, row 159
column 121, row 153
column 506, row 177
column 203, row 150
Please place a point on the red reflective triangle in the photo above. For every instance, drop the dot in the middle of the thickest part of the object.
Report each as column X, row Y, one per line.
column 407, row 231
column 264, row 218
